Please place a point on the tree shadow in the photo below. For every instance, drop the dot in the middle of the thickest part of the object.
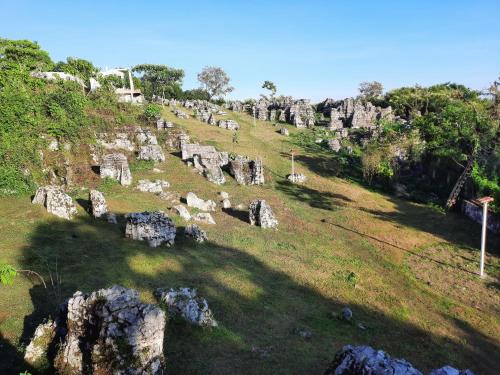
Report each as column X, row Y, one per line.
column 94, row 254
column 314, row 198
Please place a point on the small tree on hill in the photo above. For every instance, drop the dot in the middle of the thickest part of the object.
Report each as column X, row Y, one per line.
column 215, row 81
column 271, row 87
column 370, row 90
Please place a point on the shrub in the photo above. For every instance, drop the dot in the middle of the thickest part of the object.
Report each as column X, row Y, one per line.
column 152, row 112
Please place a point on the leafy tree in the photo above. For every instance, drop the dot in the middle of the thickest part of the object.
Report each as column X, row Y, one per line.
column 160, row 80
column 215, row 81
column 23, row 54
column 81, row 68
column 196, row 94
column 370, row 90
column 152, row 111
column 270, row 86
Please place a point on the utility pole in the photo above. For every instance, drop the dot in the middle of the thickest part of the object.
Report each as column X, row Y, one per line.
column 484, row 201
column 131, row 82
column 293, row 165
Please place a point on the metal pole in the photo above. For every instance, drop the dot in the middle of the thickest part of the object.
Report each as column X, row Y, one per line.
column 483, row 238
column 293, row 166
column 131, row 84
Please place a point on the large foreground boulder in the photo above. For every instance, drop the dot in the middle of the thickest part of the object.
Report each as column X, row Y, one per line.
column 260, row 213
column 115, row 166
column 109, row 331
column 364, row 360
column 186, row 303
column 56, row 201
column 154, row 227
column 246, row 171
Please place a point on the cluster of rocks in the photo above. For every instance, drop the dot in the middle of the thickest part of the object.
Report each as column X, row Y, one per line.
column 186, row 303
column 115, row 166
column 207, row 160
column 180, row 114
column 127, row 139
column 363, row 360
column 192, row 200
column 56, row 201
column 297, row 178
column 108, row 331
column 162, row 124
column 353, row 113
column 154, row 227
column 261, row 214
column 247, row 171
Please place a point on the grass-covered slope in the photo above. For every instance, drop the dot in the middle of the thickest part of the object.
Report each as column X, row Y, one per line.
column 407, row 272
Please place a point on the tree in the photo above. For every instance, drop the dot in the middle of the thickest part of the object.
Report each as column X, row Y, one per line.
column 215, row 81
column 160, row 80
column 23, row 54
column 370, row 90
column 270, row 86
column 196, row 94
column 81, row 68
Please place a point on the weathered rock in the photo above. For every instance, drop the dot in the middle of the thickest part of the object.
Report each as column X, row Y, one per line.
column 224, row 195
column 98, row 207
column 284, row 131
column 364, row 360
column 260, row 214
column 111, row 331
column 180, row 114
column 246, row 171
column 448, row 370
column 186, row 303
column 188, row 151
column 195, row 232
column 226, row 204
column 120, row 141
column 151, row 152
column 170, row 196
column 229, row 124
column 155, row 186
column 154, row 227
column 204, row 217
column 37, row 350
column 346, row 314
column 111, row 218
column 182, row 212
column 115, row 166
column 334, row 145
column 145, row 137
column 211, row 120
column 209, row 166
column 193, row 201
column 56, row 201
column 297, row 178
column 354, row 113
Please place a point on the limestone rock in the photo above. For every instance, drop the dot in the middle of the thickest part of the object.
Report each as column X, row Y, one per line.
column 260, row 214
column 362, row 360
column 182, row 212
column 209, row 167
column 246, row 171
column 334, row 145
column 224, row 195
column 180, row 114
column 226, row 204
column 115, row 166
column 229, row 124
column 145, row 137
column 111, row 218
column 193, row 201
column 98, row 206
column 37, row 350
column 448, row 370
column 170, row 196
column 346, row 314
column 120, row 141
column 284, row 131
column 211, row 120
column 154, row 227
column 56, row 201
column 151, row 152
column 186, row 303
column 297, row 178
column 111, row 331
column 195, row 232
column 204, row 217
column 353, row 113
column 155, row 186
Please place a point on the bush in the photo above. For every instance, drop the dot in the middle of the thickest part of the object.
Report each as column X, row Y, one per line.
column 152, row 112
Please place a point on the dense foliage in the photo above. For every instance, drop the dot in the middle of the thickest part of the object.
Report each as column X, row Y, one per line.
column 160, row 80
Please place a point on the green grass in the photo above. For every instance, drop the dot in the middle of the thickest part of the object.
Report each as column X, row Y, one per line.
column 338, row 244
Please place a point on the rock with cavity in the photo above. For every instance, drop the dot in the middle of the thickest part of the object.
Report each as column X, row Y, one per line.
column 246, row 171
column 260, row 214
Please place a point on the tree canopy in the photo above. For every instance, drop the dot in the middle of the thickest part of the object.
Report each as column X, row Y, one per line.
column 160, row 80
column 215, row 81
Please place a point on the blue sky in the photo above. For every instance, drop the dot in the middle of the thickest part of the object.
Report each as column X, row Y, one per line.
column 310, row 49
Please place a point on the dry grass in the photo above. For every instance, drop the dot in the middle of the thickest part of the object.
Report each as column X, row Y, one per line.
column 410, row 265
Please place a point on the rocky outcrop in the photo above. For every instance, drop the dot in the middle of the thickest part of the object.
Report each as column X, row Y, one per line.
column 151, row 152
column 196, row 233
column 260, row 214
column 334, row 145
column 246, row 171
column 186, row 303
column 364, row 360
column 209, row 165
column 162, row 124
column 56, row 201
column 154, row 227
column 38, row 348
column 354, row 113
column 156, row 186
column 297, row 112
column 120, row 141
column 193, row 201
column 229, row 124
column 115, row 166
column 98, row 207
column 180, row 114
column 111, row 331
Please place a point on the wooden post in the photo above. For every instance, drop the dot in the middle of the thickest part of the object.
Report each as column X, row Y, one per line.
column 484, row 201
column 293, row 165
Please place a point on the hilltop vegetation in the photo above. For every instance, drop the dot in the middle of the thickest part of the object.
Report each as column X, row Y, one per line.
column 408, row 272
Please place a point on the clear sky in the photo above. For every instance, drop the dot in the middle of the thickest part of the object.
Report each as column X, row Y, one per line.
column 309, row 49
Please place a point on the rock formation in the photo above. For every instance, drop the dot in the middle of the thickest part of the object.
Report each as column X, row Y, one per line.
column 196, row 233
column 229, row 124
column 36, row 351
column 260, row 214
column 154, row 227
column 148, row 186
column 193, row 201
column 151, row 152
column 246, row 171
column 56, row 201
column 297, row 178
column 115, row 166
column 204, row 217
column 98, row 207
column 209, row 164
column 186, row 303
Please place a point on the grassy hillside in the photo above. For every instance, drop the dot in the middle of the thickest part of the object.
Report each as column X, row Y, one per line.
column 407, row 272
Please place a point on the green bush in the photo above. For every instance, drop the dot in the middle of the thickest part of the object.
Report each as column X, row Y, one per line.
column 152, row 112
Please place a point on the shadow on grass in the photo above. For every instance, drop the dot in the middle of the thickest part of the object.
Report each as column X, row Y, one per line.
column 238, row 214
column 94, row 254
